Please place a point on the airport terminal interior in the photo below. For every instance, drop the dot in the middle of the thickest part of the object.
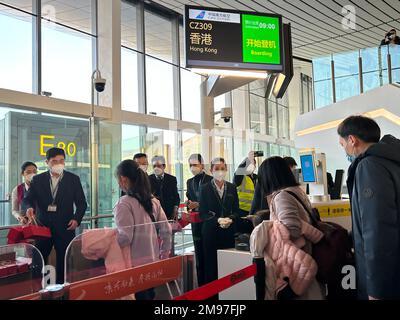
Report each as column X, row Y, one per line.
column 127, row 94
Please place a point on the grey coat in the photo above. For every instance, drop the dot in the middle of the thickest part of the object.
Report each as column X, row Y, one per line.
column 374, row 186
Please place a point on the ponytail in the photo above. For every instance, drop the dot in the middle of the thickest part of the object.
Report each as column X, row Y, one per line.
column 140, row 188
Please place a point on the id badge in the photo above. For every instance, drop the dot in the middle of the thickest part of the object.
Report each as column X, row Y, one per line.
column 52, row 208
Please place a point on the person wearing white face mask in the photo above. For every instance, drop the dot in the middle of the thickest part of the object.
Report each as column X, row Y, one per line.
column 28, row 171
column 246, row 180
column 194, row 185
column 165, row 187
column 141, row 160
column 219, row 210
column 51, row 198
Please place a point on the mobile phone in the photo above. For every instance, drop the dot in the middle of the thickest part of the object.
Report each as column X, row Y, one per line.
column 258, row 154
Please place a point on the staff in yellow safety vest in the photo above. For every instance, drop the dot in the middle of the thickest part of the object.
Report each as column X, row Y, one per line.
column 245, row 180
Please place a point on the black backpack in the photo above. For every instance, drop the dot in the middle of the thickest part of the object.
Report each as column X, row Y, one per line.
column 333, row 252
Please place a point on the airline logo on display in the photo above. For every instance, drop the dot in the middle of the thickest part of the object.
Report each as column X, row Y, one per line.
column 214, row 16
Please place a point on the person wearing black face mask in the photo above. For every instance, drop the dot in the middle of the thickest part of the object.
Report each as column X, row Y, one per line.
column 391, row 38
column 374, row 188
column 194, row 185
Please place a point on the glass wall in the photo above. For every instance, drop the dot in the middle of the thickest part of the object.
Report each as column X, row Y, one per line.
column 67, row 46
column 258, row 120
column 129, row 77
column 272, row 118
column 67, row 62
column 129, row 58
column 27, row 137
column 307, row 97
column 395, row 55
column 372, row 77
column 346, row 75
column 190, row 96
column 158, row 35
column 160, row 88
column 67, row 49
column 375, row 73
column 323, row 81
column 16, row 47
column 159, row 70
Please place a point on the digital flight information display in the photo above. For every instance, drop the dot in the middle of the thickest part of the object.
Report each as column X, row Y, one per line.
column 225, row 39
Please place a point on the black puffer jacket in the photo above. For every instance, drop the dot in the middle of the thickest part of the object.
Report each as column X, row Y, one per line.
column 374, row 186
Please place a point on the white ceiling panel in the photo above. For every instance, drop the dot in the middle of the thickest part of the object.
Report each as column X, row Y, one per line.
column 317, row 24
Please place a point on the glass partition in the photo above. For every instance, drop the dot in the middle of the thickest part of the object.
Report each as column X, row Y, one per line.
column 144, row 251
column 21, row 268
column 152, row 261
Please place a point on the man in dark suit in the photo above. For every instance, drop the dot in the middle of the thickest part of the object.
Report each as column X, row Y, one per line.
column 165, row 187
column 51, row 198
column 141, row 160
column 200, row 178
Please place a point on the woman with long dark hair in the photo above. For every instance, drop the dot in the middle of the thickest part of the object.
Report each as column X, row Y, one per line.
column 287, row 203
column 140, row 220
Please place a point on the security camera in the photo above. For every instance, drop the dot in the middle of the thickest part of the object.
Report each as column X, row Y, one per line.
column 226, row 114
column 100, row 84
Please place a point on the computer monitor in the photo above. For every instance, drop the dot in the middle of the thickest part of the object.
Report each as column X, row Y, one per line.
column 308, row 168
column 336, row 193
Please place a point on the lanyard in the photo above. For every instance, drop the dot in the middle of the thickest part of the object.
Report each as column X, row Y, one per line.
column 54, row 189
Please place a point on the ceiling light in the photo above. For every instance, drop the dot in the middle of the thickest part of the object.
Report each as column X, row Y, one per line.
column 378, row 113
column 232, row 73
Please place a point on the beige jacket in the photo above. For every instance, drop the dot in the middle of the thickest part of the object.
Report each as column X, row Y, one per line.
column 285, row 244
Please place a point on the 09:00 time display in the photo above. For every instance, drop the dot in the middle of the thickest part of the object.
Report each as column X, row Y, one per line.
column 270, row 26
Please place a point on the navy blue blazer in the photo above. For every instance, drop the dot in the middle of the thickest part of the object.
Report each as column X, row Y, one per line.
column 69, row 195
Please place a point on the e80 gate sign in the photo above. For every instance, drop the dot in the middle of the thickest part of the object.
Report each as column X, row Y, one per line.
column 48, row 141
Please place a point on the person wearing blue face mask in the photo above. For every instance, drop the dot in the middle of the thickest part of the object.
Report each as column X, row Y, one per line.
column 374, row 189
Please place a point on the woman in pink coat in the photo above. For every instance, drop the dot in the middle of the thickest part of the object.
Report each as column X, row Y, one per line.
column 279, row 184
column 141, row 222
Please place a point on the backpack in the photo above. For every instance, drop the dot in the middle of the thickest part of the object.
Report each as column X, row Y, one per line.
column 333, row 251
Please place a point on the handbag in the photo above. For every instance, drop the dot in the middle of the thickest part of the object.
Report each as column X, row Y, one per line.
column 15, row 235
column 36, row 232
column 333, row 251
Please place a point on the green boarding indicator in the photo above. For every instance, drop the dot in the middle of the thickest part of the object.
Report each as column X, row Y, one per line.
column 261, row 39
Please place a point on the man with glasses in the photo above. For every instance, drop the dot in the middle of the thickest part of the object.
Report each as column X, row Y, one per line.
column 165, row 187
column 51, row 199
